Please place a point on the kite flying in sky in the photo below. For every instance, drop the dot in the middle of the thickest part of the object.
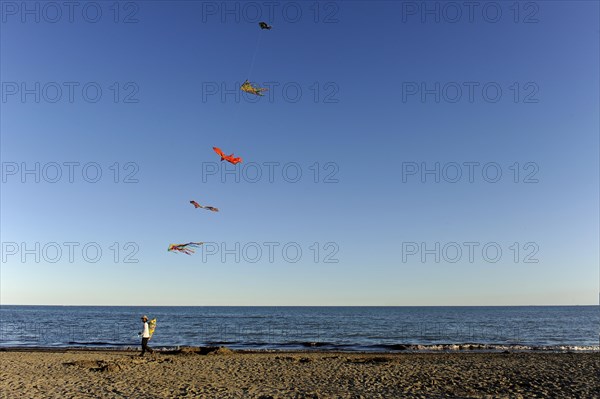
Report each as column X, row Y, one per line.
column 264, row 25
column 249, row 88
column 210, row 208
column 187, row 249
column 228, row 158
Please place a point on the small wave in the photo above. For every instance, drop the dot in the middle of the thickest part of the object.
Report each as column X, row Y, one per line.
column 323, row 346
column 97, row 343
column 222, row 343
column 316, row 344
column 484, row 347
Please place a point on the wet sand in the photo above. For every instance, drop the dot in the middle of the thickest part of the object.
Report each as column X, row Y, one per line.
column 226, row 374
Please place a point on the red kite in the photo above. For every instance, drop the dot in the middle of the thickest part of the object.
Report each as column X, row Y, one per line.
column 228, row 158
column 187, row 249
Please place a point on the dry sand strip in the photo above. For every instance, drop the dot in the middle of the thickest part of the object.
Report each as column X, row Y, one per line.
column 193, row 373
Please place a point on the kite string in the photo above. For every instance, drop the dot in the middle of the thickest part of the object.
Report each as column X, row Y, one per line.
column 236, row 113
column 254, row 55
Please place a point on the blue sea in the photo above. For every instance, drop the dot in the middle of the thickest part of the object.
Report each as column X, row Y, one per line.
column 382, row 329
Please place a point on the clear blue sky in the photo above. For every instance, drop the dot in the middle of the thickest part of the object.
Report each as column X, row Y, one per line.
column 369, row 58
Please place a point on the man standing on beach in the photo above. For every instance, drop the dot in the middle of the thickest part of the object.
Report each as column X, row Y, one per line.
column 145, row 336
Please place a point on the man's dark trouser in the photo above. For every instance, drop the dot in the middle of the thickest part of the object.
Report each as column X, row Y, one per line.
column 145, row 346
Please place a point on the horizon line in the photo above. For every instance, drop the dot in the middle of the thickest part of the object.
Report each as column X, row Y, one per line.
column 299, row 306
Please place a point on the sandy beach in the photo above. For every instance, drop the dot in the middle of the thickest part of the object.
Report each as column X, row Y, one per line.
column 225, row 374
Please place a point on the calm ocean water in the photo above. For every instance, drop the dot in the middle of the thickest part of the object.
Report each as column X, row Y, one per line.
column 319, row 328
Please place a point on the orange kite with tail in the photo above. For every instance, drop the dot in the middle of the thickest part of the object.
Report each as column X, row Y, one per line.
column 228, row 158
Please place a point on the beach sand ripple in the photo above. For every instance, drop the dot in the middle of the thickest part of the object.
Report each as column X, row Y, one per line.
column 222, row 373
